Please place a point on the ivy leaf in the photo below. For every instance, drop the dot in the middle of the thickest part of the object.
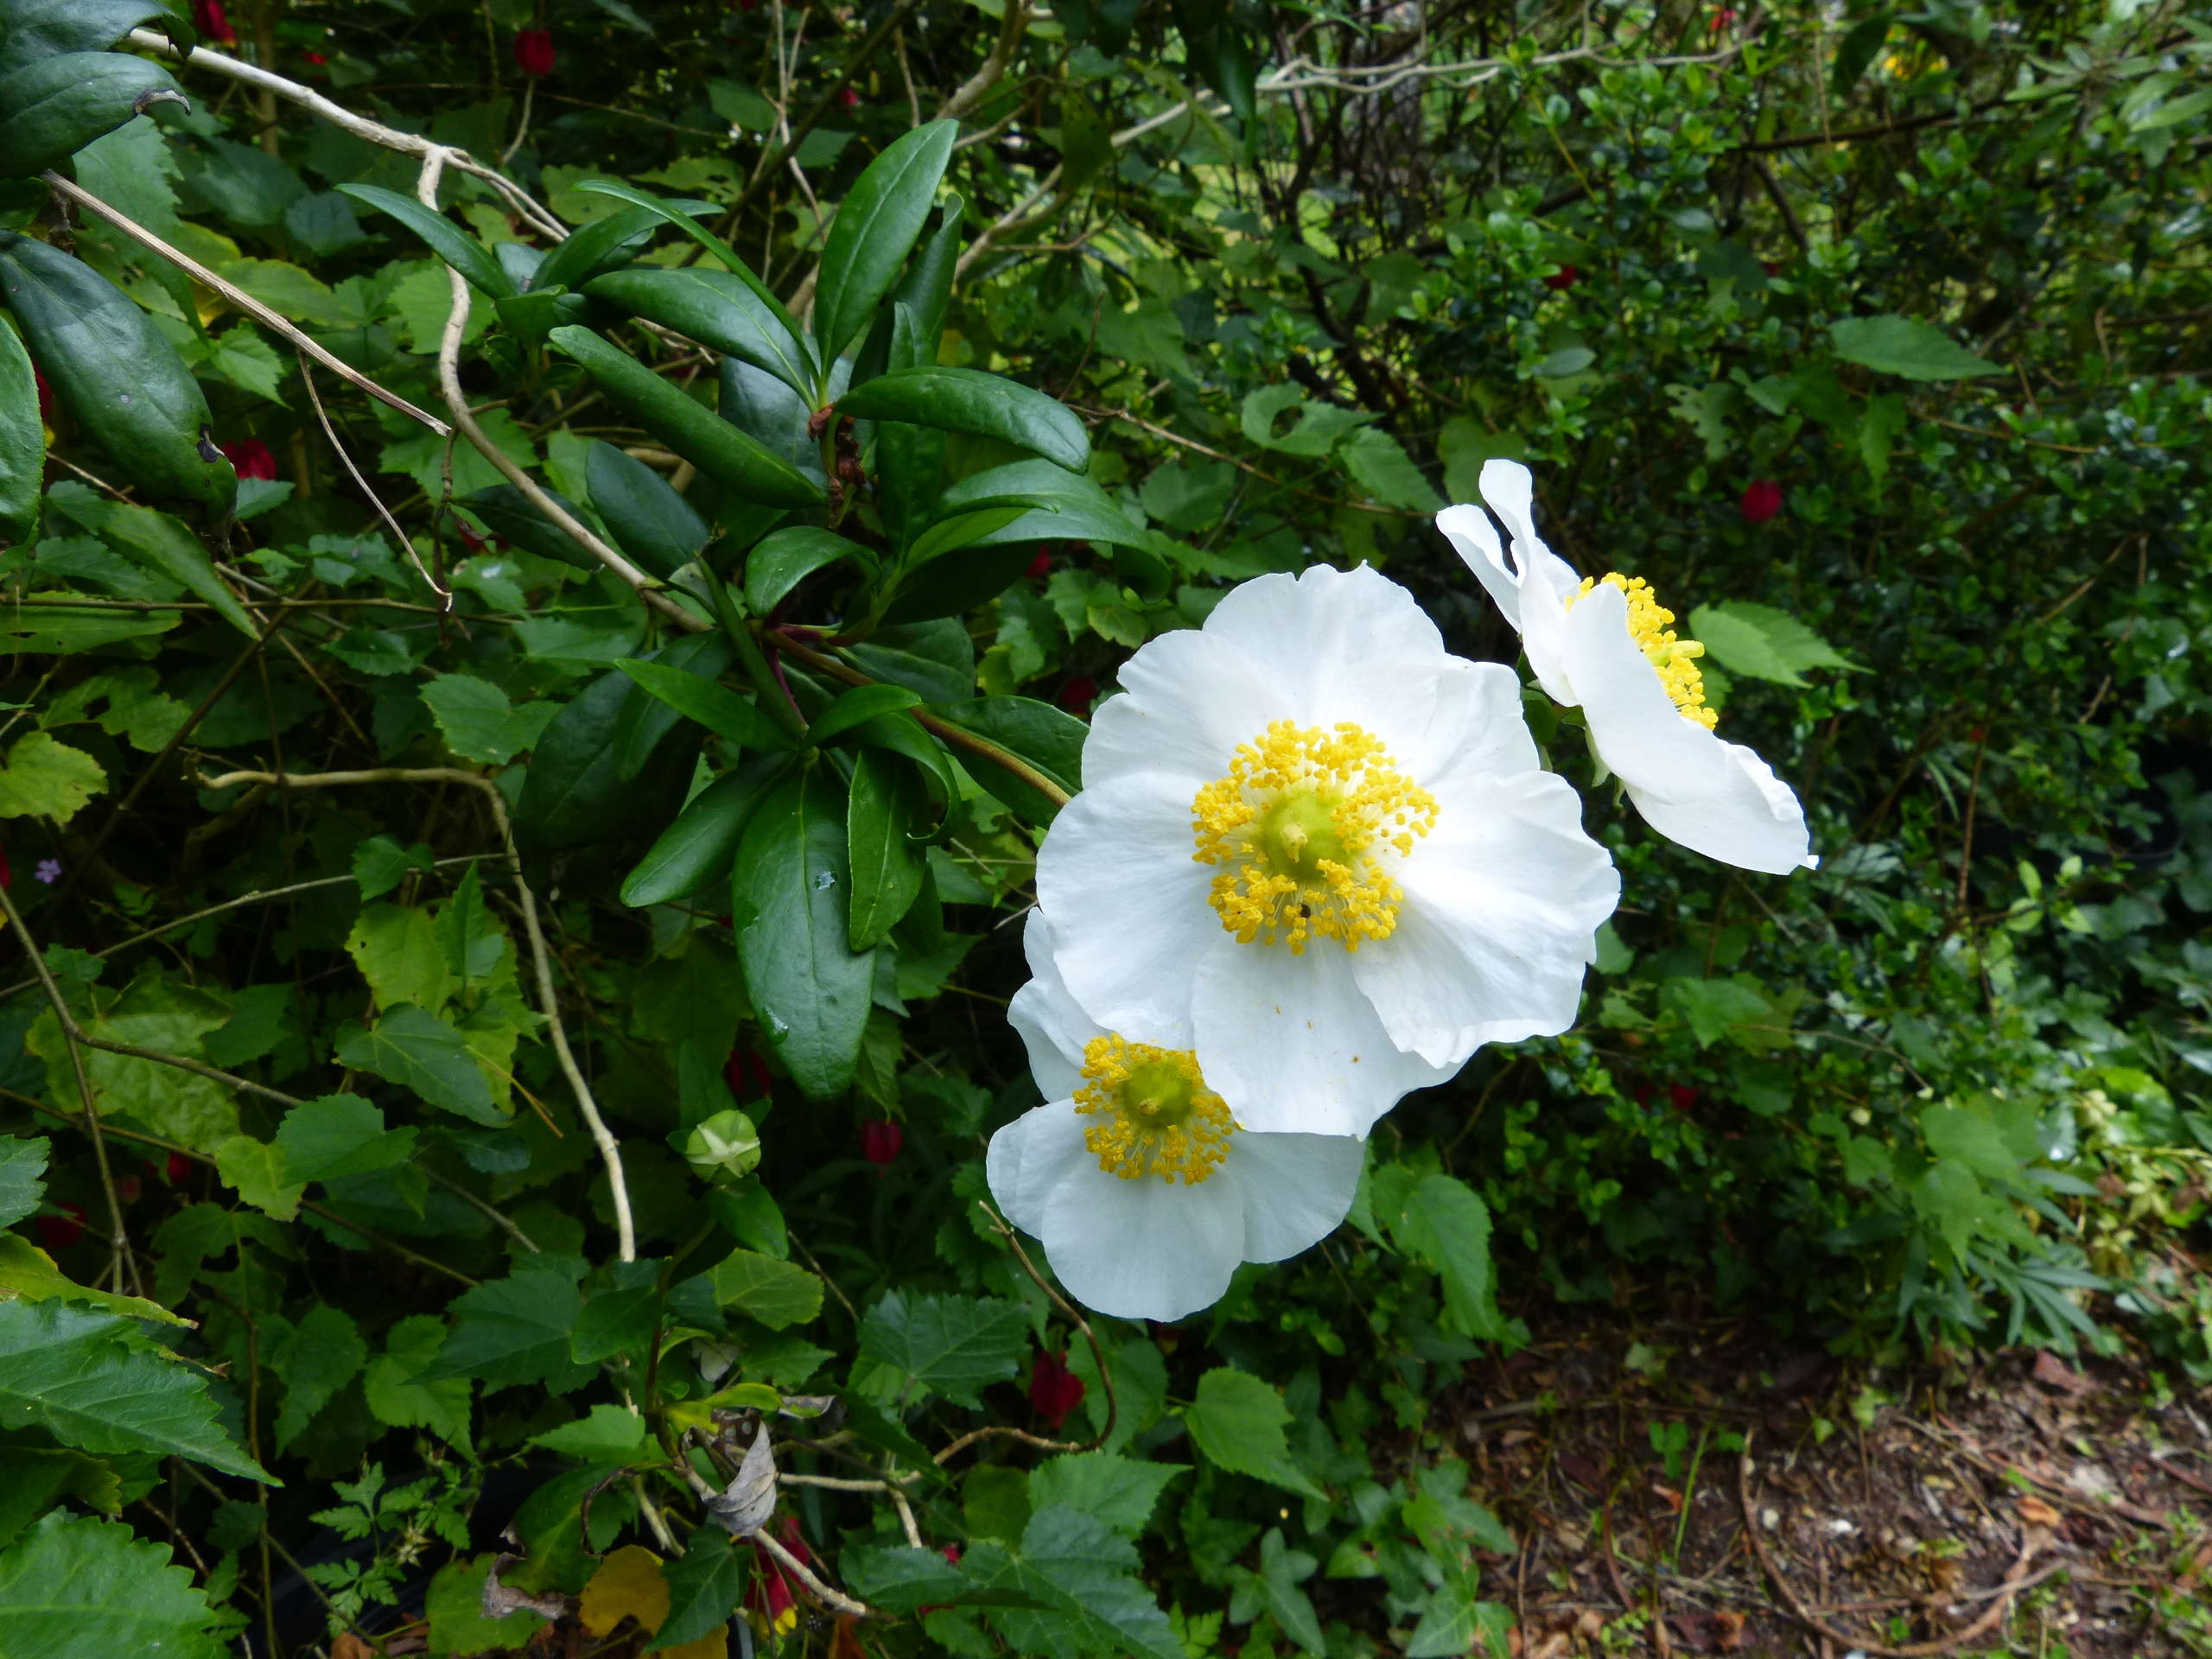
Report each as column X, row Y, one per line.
column 516, row 1330
column 1237, row 1421
column 86, row 1379
column 1762, row 642
column 339, row 1135
column 73, row 1587
column 952, row 1345
column 419, row 1052
column 399, row 1399
column 776, row 1293
column 322, row 1356
column 45, row 777
column 479, row 723
column 22, row 1171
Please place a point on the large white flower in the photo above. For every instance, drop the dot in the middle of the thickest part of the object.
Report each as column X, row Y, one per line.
column 1145, row 1189
column 1605, row 646
column 1320, row 853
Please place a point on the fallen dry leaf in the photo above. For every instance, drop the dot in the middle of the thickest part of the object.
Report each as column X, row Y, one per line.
column 2035, row 1512
column 2055, row 1373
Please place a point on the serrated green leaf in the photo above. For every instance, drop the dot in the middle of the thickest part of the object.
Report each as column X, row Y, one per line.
column 255, row 1170
column 396, row 1396
column 1442, row 1223
column 1120, row 1491
column 339, row 1135
column 514, row 1331
column 74, row 1588
column 952, row 1346
column 422, row 1052
column 45, row 778
column 778, row 1295
column 479, row 723
column 1762, row 642
column 22, row 1171
column 1237, row 1421
column 604, row 1434
column 323, row 1353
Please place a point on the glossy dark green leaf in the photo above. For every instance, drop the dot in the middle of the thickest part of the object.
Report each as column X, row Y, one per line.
column 518, row 259
column 1081, row 512
column 966, row 529
column 716, row 308
column 770, row 412
column 604, row 244
column 40, row 29
column 120, row 380
column 810, row 988
column 784, row 560
column 1046, row 738
column 573, row 793
column 874, row 230
column 902, row 733
column 707, row 239
column 645, row 722
column 507, row 513
column 936, row 658
column 739, row 463
column 440, row 234
column 22, row 439
column 710, row 702
column 155, row 542
column 696, row 850
column 884, row 803
column 959, row 581
column 926, row 289
column 52, row 108
column 533, row 315
column 980, row 404
column 651, row 522
column 909, row 459
column 862, row 702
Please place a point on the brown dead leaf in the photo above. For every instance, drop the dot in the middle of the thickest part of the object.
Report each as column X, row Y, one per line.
column 1701, row 1632
column 1582, row 1471
column 350, row 1646
column 2055, row 1373
column 2034, row 1512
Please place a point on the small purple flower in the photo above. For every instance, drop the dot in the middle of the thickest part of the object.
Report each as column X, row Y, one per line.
column 49, row 870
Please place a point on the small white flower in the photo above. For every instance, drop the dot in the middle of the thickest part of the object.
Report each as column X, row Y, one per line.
column 1146, row 1191
column 1320, row 853
column 1605, row 647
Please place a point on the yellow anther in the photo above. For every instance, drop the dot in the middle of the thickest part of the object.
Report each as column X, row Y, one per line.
column 1155, row 1115
column 1650, row 624
column 1304, row 823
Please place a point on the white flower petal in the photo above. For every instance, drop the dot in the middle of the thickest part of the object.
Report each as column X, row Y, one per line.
column 1475, row 539
column 1714, row 798
column 1510, row 491
column 1187, row 701
column 1118, row 876
column 1319, row 640
column 1296, row 1189
column 1143, row 1249
column 1478, row 726
column 1035, row 1156
column 1291, row 1043
column 1755, row 823
column 1052, row 1028
column 1499, row 920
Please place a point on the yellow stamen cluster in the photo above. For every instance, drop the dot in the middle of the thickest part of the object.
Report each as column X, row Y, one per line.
column 1155, row 1115
column 1302, row 823
column 1650, row 624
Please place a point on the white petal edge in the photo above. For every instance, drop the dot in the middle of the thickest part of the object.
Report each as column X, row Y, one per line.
column 1292, row 1044
column 1052, row 1026
column 1128, row 903
column 1317, row 640
column 1031, row 1158
column 1187, row 700
column 1143, row 1249
column 1755, row 824
column 1297, row 1188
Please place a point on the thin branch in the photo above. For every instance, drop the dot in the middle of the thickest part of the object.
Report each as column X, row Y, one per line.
column 330, row 434
column 973, row 91
column 126, row 1269
column 245, row 302
column 610, row 1150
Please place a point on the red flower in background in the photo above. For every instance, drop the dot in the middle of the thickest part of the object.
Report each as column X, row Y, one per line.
column 1054, row 1390
column 848, row 97
column 45, row 398
column 747, row 1075
column 7, row 875
column 1761, row 500
column 58, row 1233
column 207, row 17
column 1078, row 694
column 252, row 458
column 1564, row 278
column 1041, row 566
column 880, row 1141
column 534, row 54
column 1682, row 1096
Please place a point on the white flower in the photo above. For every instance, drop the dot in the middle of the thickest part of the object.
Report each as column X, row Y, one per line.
column 1320, row 853
column 1146, row 1191
column 1605, row 646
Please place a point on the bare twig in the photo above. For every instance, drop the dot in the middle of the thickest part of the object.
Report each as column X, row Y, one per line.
column 330, row 433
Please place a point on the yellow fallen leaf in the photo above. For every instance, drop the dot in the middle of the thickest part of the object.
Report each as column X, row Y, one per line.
column 628, row 1585
column 714, row 1644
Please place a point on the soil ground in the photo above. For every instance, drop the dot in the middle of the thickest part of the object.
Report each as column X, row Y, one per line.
column 1763, row 1502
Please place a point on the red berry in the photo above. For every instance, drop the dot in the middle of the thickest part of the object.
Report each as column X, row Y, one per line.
column 1078, row 694
column 880, row 1141
column 315, row 57
column 207, row 17
column 747, row 1075
column 534, row 54
column 1041, row 566
column 1054, row 1390
column 179, row 1168
column 127, row 1188
column 1772, row 268
column 1682, row 1096
column 1564, row 278
column 1761, row 500
column 252, row 457
column 58, row 1233
column 848, row 97
column 7, row 875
